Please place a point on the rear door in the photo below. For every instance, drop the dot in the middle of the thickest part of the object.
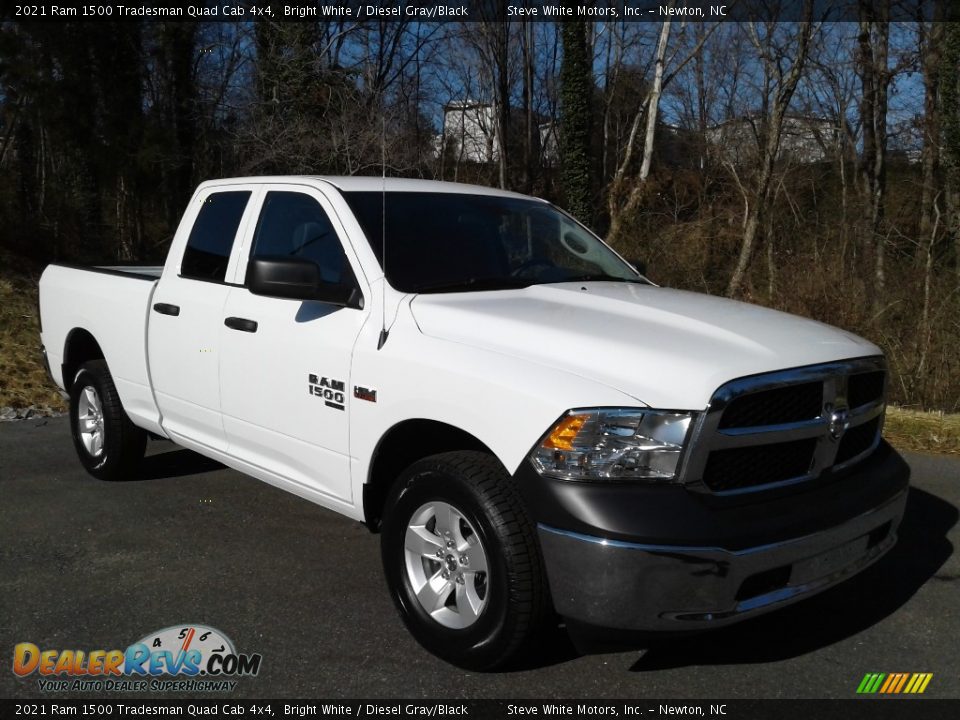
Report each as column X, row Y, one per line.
column 285, row 364
column 186, row 315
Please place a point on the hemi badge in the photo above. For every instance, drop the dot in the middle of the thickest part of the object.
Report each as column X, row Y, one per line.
column 363, row 393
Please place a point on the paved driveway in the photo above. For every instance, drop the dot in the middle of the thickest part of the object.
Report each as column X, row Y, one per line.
column 87, row 564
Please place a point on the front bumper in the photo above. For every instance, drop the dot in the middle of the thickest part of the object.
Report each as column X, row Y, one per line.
column 683, row 581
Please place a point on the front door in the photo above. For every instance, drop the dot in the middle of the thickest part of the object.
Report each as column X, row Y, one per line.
column 285, row 364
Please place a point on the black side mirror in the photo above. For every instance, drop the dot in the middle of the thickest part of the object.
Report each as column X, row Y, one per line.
column 639, row 265
column 298, row 279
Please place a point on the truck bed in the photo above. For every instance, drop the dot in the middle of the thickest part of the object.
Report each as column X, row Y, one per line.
column 112, row 304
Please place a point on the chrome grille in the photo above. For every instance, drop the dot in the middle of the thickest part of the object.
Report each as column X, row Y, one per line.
column 774, row 407
column 787, row 427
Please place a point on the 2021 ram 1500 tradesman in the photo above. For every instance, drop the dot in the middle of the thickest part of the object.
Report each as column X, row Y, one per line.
column 531, row 424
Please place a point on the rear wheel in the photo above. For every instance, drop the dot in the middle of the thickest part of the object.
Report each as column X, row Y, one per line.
column 109, row 446
column 462, row 560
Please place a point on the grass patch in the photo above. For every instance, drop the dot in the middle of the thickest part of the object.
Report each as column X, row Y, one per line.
column 23, row 381
column 922, row 431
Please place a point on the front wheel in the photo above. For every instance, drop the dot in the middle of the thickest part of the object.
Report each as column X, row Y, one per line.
column 462, row 560
column 107, row 443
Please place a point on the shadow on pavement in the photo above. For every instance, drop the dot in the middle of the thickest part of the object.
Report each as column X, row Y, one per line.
column 838, row 613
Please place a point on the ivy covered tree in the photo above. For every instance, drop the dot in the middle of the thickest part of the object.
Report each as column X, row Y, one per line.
column 576, row 90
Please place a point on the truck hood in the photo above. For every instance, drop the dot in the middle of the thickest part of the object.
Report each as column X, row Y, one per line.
column 667, row 348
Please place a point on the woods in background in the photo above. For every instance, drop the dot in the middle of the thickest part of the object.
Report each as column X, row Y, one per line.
column 808, row 165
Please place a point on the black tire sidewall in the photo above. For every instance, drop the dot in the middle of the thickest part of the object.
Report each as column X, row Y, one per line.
column 123, row 443
column 483, row 643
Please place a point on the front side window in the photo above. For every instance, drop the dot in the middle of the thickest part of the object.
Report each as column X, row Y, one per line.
column 295, row 225
column 211, row 239
column 450, row 242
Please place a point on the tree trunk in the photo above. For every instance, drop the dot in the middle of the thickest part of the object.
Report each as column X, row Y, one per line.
column 618, row 207
column 702, row 116
column 503, row 98
column 653, row 105
column 769, row 149
column 930, row 39
column 950, row 128
column 531, row 127
column 576, row 92
column 873, row 43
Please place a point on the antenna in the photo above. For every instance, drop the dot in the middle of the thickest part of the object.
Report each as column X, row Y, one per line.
column 383, row 225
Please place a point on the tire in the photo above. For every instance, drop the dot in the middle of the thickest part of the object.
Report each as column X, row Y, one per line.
column 109, row 446
column 475, row 619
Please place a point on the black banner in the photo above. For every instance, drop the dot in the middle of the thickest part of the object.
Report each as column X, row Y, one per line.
column 875, row 709
column 459, row 10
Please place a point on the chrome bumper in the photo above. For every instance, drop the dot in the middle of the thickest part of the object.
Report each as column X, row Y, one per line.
column 636, row 586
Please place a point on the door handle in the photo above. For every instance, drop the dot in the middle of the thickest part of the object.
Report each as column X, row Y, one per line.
column 167, row 309
column 235, row 323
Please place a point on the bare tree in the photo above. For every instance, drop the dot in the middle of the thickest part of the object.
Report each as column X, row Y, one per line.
column 653, row 103
column 491, row 38
column 531, row 127
column 950, row 130
column 626, row 192
column 930, row 40
column 783, row 64
column 873, row 43
column 833, row 93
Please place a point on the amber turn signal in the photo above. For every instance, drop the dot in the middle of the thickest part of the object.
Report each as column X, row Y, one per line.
column 565, row 432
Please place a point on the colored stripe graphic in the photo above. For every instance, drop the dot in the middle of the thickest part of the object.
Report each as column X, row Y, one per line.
column 894, row 683
column 870, row 683
column 903, row 681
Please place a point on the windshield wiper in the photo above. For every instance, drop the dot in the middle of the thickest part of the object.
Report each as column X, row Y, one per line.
column 487, row 283
column 602, row 277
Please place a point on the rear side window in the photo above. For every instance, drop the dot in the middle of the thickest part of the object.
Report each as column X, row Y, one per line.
column 294, row 225
column 211, row 239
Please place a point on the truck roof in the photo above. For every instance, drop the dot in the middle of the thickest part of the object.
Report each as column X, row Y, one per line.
column 360, row 183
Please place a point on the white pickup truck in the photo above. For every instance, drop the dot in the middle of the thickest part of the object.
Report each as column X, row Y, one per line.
column 535, row 429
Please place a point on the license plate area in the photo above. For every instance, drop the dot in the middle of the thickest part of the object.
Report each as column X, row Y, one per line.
column 829, row 562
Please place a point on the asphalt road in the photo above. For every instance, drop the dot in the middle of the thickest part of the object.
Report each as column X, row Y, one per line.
column 88, row 564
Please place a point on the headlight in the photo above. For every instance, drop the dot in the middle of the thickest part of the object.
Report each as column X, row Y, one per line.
column 614, row 444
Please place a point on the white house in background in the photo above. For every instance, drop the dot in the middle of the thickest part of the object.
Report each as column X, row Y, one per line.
column 471, row 134
column 803, row 139
column 549, row 143
column 470, row 131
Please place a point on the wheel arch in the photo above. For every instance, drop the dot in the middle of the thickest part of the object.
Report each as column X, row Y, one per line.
column 401, row 446
column 80, row 347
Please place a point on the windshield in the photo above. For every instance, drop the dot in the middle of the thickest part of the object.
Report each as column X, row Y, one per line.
column 449, row 242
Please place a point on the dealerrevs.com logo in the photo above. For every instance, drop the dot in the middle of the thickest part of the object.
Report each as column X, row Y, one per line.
column 189, row 658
